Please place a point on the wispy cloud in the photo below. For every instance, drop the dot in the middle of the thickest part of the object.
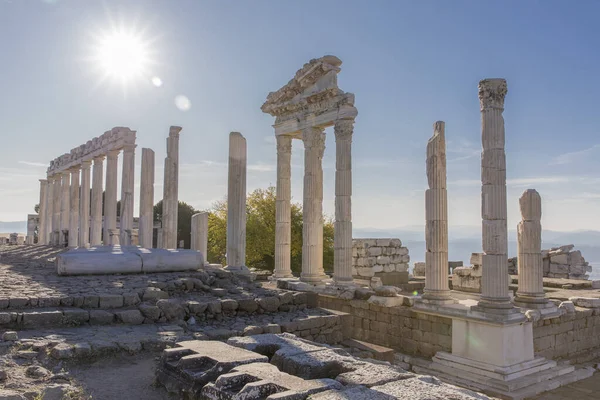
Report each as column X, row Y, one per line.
column 259, row 167
column 573, row 156
column 531, row 181
column 33, row 164
column 461, row 149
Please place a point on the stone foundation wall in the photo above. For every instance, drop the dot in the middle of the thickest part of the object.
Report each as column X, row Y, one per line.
column 574, row 336
column 559, row 262
column 383, row 258
column 400, row 327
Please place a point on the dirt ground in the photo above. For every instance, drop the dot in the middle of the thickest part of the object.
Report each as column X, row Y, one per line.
column 120, row 377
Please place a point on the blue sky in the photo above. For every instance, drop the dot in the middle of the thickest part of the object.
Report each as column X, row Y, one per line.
column 409, row 64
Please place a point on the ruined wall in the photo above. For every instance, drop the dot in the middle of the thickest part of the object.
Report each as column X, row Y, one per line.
column 559, row 262
column 399, row 328
column 383, row 258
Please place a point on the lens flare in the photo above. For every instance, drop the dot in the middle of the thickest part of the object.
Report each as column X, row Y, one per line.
column 156, row 81
column 183, row 103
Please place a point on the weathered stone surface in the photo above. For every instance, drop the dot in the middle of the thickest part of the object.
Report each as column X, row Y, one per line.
column 133, row 317
column 269, row 304
column 101, row 317
column 62, row 351
column 43, row 318
column 171, row 309
column 149, row 311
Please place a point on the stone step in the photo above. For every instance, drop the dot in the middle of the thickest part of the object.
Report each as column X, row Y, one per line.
column 379, row 352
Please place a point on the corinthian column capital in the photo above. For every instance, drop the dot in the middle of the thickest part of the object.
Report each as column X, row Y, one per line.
column 284, row 144
column 314, row 139
column 343, row 129
column 492, row 93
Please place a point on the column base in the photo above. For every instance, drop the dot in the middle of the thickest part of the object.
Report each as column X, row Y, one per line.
column 437, row 297
column 313, row 278
column 343, row 281
column 281, row 275
column 499, row 306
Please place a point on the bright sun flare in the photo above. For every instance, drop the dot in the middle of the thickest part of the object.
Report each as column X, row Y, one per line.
column 122, row 55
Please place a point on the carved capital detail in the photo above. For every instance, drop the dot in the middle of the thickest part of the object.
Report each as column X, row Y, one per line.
column 314, row 138
column 284, row 144
column 492, row 93
column 343, row 129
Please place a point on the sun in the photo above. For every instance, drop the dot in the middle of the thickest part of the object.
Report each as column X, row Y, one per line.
column 123, row 55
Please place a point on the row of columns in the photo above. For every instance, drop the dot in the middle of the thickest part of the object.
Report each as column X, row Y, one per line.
column 65, row 202
column 312, row 206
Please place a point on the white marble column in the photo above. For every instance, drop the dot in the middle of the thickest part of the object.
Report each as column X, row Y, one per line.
column 529, row 252
column 494, row 281
column 49, row 210
column 436, row 289
column 64, row 206
column 42, row 227
column 74, row 209
column 84, row 205
column 127, row 187
column 171, row 190
column 283, row 209
column 57, row 195
column 97, row 189
column 110, row 194
column 342, row 241
column 200, row 233
column 146, row 222
column 236, row 201
column 312, row 206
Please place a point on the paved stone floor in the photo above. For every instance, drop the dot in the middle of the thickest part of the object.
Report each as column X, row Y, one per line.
column 586, row 389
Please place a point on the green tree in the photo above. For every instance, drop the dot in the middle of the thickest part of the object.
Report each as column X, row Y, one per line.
column 184, row 221
column 260, row 233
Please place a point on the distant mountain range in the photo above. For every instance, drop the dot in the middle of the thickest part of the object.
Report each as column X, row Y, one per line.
column 15, row 226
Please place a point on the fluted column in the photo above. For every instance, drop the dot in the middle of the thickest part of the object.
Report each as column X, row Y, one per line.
column 56, row 203
column 146, row 199
column 283, row 208
column 49, row 210
column 312, row 205
column 236, row 201
column 97, row 189
column 74, row 209
column 65, row 210
column 494, row 281
column 342, row 241
column 436, row 289
column 84, row 205
column 42, row 227
column 200, row 233
column 127, row 186
column 529, row 252
column 110, row 194
column 170, row 190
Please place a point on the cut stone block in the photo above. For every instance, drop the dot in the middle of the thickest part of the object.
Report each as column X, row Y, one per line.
column 188, row 367
column 260, row 381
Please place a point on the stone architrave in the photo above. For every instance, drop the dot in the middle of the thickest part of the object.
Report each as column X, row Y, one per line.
column 42, row 227
column 84, row 205
column 74, row 209
column 236, row 202
column 146, row 222
column 312, row 207
column 529, row 252
column 283, row 208
column 494, row 282
column 171, row 190
column 200, row 233
column 97, row 189
column 110, row 193
column 436, row 288
column 342, row 259
column 64, row 207
column 127, row 187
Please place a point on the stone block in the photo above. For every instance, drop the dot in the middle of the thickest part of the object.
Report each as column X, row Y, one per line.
column 110, row 301
column 101, row 317
column 75, row 316
column 34, row 319
column 132, row 317
column 585, row 302
column 269, row 304
column 559, row 259
column 249, row 305
column 151, row 312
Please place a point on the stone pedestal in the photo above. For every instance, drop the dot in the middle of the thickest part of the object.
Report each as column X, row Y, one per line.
column 312, row 228
column 110, row 194
column 436, row 215
column 127, row 187
column 42, row 227
column 200, row 233
column 170, row 190
column 84, row 205
column 97, row 189
column 342, row 242
column 236, row 202
column 146, row 223
column 494, row 285
column 64, row 207
column 74, row 209
column 283, row 206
